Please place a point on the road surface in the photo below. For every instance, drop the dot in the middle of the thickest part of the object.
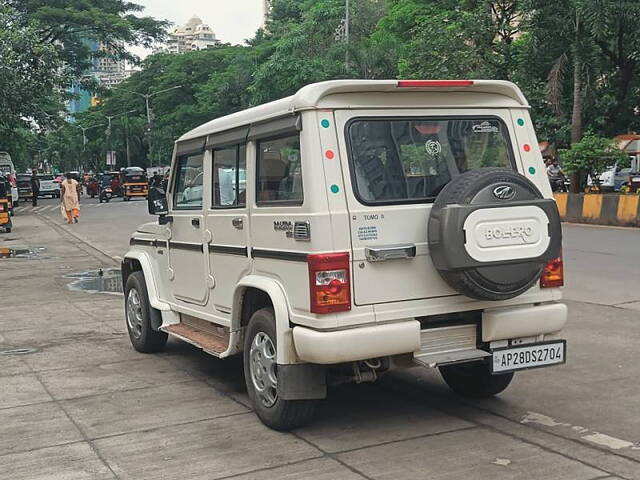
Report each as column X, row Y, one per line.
column 85, row 405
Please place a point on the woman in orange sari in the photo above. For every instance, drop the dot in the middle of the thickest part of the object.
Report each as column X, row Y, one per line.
column 71, row 198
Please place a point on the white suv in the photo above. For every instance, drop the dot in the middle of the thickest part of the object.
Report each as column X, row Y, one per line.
column 353, row 228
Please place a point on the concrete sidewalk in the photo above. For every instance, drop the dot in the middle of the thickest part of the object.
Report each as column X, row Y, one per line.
column 84, row 405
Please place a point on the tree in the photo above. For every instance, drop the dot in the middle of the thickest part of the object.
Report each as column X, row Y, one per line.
column 31, row 74
column 593, row 155
column 68, row 25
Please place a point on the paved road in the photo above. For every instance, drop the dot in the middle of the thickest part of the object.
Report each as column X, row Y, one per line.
column 85, row 405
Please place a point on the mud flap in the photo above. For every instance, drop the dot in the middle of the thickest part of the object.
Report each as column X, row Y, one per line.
column 305, row 381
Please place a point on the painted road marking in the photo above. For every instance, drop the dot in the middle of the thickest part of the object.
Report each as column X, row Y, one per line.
column 593, row 436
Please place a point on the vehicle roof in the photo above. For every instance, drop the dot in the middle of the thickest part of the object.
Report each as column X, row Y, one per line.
column 310, row 97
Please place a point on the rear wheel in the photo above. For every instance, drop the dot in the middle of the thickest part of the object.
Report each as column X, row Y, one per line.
column 475, row 379
column 137, row 313
column 261, row 376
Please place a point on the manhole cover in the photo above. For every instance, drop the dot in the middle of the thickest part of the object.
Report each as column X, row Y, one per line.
column 107, row 280
column 18, row 351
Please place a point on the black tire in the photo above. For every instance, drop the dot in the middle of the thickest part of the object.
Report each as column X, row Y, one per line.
column 100, row 200
column 93, row 195
column 144, row 339
column 474, row 379
column 283, row 415
column 107, row 200
column 126, row 199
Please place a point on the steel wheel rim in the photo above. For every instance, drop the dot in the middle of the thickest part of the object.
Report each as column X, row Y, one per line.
column 134, row 313
column 262, row 367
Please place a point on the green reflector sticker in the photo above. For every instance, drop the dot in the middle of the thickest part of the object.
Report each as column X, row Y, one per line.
column 521, row 122
column 325, row 123
column 335, row 188
column 532, row 170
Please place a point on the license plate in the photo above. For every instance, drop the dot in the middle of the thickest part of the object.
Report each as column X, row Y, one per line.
column 536, row 355
column 635, row 179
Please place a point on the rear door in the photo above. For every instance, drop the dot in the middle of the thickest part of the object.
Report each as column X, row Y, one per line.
column 395, row 165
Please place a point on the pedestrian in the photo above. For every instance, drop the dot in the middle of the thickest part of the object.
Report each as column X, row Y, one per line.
column 35, row 187
column 70, row 193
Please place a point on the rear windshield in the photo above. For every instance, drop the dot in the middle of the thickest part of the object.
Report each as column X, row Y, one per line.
column 411, row 159
column 45, row 177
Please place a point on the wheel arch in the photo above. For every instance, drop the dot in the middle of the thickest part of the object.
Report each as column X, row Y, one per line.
column 140, row 261
column 251, row 294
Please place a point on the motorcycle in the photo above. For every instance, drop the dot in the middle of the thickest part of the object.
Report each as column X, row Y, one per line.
column 105, row 194
column 559, row 184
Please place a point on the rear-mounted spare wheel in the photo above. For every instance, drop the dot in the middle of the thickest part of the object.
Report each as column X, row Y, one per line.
column 491, row 233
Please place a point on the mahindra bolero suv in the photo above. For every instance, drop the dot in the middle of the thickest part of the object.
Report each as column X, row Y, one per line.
column 351, row 229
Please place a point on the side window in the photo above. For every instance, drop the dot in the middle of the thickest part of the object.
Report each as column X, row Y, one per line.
column 230, row 177
column 187, row 191
column 279, row 176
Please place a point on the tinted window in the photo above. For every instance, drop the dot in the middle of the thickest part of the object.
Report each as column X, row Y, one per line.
column 187, row 191
column 229, row 177
column 396, row 160
column 279, row 171
column 45, row 177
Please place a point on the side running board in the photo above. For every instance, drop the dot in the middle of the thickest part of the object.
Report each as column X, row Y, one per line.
column 205, row 335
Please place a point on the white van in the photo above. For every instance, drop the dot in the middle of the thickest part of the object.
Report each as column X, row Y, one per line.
column 353, row 228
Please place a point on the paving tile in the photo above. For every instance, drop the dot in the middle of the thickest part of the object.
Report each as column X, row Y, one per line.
column 69, row 353
column 316, row 469
column 208, row 449
column 56, row 332
column 10, row 364
column 19, row 390
column 355, row 416
column 147, row 408
column 476, row 454
column 35, row 426
column 65, row 462
column 111, row 377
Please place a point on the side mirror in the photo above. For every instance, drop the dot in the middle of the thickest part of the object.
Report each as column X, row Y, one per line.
column 157, row 201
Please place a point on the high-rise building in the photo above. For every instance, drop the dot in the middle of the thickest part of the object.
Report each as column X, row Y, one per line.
column 194, row 35
column 106, row 70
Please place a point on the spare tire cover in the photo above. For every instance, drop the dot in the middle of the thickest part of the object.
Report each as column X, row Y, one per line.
column 491, row 232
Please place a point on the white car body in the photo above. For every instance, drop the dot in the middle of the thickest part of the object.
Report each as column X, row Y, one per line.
column 48, row 185
column 206, row 266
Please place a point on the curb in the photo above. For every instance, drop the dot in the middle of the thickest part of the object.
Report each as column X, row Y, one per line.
column 599, row 209
column 58, row 228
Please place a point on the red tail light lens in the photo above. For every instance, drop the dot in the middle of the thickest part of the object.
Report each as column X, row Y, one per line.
column 329, row 284
column 553, row 274
column 434, row 83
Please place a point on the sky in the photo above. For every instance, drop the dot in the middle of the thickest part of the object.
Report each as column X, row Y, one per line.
column 232, row 21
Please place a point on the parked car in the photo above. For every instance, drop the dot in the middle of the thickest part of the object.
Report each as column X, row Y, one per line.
column 48, row 186
column 612, row 179
column 386, row 224
column 24, row 186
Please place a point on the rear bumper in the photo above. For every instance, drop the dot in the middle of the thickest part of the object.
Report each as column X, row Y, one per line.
column 356, row 343
column 450, row 344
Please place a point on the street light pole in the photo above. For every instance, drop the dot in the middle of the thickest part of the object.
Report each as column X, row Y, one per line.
column 346, row 35
column 147, row 97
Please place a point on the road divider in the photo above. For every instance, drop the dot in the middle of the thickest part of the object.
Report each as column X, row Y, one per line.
column 599, row 209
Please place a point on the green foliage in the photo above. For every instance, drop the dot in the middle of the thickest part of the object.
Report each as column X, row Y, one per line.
column 542, row 45
column 29, row 74
column 593, row 155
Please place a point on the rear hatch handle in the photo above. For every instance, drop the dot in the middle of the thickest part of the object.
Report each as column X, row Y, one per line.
column 390, row 252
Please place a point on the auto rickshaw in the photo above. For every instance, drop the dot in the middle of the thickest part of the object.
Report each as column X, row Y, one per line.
column 7, row 182
column 134, row 183
column 92, row 186
column 5, row 195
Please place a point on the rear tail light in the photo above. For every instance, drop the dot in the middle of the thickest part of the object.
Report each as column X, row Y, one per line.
column 434, row 83
column 553, row 274
column 329, row 284
column 1, row 207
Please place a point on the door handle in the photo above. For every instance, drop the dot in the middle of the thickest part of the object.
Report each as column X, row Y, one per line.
column 238, row 223
column 390, row 252
column 195, row 222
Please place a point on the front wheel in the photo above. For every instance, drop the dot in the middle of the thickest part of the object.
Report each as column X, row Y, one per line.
column 261, row 376
column 138, row 315
column 475, row 379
